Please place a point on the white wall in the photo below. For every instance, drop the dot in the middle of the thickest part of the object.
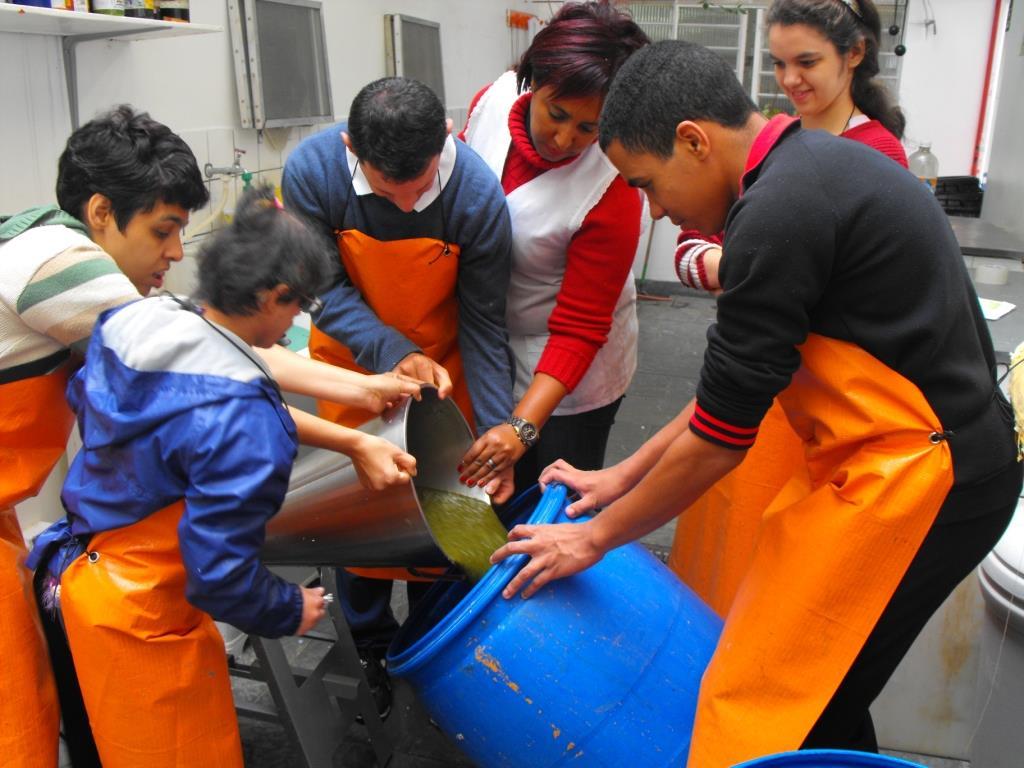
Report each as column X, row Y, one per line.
column 942, row 78
column 1004, row 195
column 188, row 82
column 34, row 122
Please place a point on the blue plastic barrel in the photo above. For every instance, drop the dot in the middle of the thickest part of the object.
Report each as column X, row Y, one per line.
column 599, row 669
column 828, row 758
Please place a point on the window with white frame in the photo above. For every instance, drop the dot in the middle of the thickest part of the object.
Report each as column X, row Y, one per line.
column 737, row 33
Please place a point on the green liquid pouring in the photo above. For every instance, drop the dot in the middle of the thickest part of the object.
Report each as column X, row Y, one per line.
column 466, row 529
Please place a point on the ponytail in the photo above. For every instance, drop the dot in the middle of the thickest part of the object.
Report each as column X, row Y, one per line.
column 872, row 98
column 845, row 27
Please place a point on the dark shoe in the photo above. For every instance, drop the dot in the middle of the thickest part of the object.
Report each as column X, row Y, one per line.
column 378, row 681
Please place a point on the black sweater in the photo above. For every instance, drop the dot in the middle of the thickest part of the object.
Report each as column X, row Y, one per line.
column 831, row 237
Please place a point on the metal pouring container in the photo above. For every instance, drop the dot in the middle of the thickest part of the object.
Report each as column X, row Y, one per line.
column 328, row 518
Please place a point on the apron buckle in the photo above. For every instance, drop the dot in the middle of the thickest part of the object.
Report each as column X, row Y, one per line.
column 446, row 251
column 937, row 437
column 93, row 556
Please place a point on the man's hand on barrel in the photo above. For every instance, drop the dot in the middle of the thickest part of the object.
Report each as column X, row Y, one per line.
column 489, row 461
column 384, row 390
column 380, row 463
column 418, row 366
column 555, row 551
column 596, row 489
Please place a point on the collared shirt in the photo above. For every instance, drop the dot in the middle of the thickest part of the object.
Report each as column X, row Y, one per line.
column 444, row 171
column 470, row 213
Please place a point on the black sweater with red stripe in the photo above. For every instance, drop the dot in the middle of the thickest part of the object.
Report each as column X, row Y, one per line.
column 831, row 237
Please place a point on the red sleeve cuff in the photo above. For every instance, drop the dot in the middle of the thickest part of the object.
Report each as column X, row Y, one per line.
column 719, row 432
column 567, row 365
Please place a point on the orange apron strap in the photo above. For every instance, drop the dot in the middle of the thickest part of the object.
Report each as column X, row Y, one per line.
column 152, row 668
column 410, row 285
column 28, row 698
column 715, row 538
column 826, row 562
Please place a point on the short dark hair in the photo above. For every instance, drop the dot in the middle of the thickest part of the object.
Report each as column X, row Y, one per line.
column 264, row 246
column 397, row 125
column 844, row 26
column 132, row 160
column 664, row 84
column 579, row 51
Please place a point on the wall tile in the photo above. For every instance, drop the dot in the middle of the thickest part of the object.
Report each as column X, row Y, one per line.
column 221, row 143
column 245, row 139
column 290, row 146
column 198, row 143
column 199, row 220
column 272, row 144
column 271, row 177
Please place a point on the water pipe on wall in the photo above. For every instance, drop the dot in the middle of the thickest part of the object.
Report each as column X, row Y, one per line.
column 226, row 173
column 992, row 42
column 217, row 212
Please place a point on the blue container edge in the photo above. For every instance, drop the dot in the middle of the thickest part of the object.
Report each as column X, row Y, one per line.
column 836, row 758
column 550, row 506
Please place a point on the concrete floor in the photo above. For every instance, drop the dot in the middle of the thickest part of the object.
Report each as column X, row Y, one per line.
column 672, row 337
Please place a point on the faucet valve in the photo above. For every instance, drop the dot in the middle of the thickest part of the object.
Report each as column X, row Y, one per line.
column 212, row 170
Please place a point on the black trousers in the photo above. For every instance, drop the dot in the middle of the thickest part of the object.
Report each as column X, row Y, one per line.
column 950, row 551
column 581, row 439
column 74, row 720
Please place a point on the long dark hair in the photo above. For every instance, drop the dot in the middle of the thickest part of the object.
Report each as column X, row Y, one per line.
column 580, row 50
column 845, row 24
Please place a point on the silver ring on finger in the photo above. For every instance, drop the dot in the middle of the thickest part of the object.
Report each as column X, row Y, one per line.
column 490, row 463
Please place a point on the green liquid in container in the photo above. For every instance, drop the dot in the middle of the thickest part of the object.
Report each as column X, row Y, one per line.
column 466, row 529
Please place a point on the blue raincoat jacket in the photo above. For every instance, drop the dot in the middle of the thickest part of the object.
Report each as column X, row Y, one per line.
column 170, row 409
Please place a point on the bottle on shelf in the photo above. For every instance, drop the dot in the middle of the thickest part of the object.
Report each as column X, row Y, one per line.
column 107, row 7
column 139, row 9
column 925, row 166
column 57, row 4
column 173, row 10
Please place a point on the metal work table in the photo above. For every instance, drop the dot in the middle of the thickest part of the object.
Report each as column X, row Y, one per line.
column 978, row 237
column 1008, row 331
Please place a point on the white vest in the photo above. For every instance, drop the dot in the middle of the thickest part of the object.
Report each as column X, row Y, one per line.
column 546, row 212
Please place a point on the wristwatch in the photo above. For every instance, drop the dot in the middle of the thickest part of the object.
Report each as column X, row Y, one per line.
column 525, row 431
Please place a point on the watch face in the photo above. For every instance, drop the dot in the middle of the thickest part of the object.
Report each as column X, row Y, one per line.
column 528, row 431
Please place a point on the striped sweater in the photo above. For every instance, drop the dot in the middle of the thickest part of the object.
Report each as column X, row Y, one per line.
column 54, row 283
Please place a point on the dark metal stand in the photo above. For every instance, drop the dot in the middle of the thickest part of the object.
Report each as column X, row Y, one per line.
column 317, row 706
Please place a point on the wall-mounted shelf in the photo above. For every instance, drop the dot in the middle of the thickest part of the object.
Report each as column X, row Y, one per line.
column 29, row 20
column 75, row 27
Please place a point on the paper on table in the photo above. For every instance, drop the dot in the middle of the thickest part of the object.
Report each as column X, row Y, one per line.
column 993, row 309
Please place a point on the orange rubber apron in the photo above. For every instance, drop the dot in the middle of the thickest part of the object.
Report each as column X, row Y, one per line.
column 829, row 555
column 35, row 422
column 410, row 285
column 152, row 667
column 716, row 536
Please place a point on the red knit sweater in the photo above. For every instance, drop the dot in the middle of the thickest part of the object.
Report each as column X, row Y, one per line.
column 598, row 260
